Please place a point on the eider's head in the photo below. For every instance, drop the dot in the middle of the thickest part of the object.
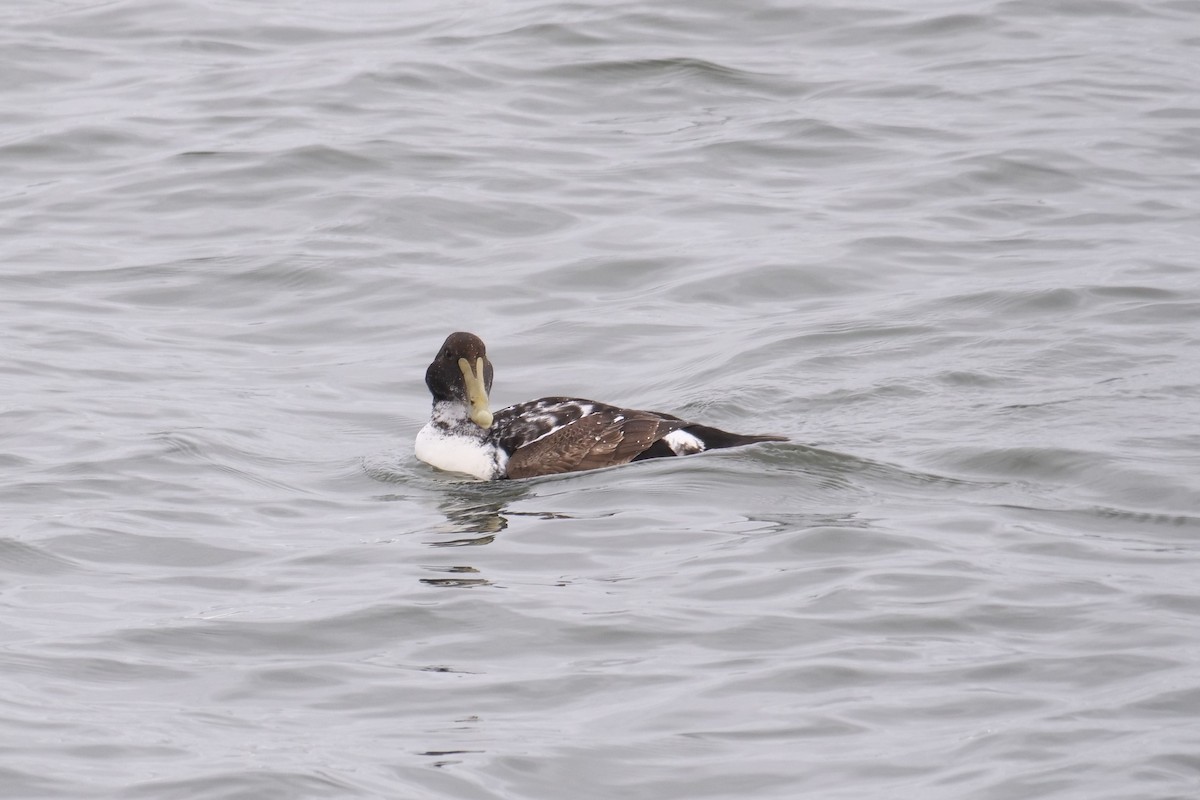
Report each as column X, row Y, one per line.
column 461, row 373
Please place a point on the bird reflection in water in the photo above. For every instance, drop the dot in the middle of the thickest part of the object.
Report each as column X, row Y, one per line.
column 475, row 514
column 462, row 578
column 474, row 510
column 473, row 519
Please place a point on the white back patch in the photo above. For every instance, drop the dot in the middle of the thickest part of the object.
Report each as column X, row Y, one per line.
column 683, row 443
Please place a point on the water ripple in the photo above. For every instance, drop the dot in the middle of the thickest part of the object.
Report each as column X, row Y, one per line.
column 947, row 250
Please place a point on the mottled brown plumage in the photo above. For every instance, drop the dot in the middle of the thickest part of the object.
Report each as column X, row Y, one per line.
column 594, row 441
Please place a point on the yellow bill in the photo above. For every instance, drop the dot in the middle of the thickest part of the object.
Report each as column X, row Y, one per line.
column 476, row 392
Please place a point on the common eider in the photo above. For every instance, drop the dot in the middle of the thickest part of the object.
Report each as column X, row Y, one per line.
column 542, row 437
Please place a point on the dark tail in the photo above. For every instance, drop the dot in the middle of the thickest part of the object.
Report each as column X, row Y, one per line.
column 715, row 438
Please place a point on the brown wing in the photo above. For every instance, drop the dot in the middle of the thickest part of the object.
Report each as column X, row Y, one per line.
column 603, row 439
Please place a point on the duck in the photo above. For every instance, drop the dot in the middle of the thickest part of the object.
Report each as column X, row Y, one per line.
column 549, row 436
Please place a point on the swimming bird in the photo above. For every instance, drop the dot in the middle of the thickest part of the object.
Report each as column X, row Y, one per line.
column 542, row 437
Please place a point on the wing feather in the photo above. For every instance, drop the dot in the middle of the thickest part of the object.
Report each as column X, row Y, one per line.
column 605, row 438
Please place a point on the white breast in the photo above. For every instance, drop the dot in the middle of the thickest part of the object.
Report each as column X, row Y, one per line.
column 458, row 453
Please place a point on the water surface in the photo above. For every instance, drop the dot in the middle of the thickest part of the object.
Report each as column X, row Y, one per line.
column 948, row 250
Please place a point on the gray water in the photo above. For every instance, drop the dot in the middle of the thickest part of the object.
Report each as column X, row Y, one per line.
column 951, row 251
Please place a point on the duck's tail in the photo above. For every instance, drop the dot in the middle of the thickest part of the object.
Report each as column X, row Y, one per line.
column 715, row 438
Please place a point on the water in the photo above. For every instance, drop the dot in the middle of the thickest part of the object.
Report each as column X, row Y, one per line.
column 949, row 250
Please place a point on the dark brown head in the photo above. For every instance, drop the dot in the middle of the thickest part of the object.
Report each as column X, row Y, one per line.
column 461, row 372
